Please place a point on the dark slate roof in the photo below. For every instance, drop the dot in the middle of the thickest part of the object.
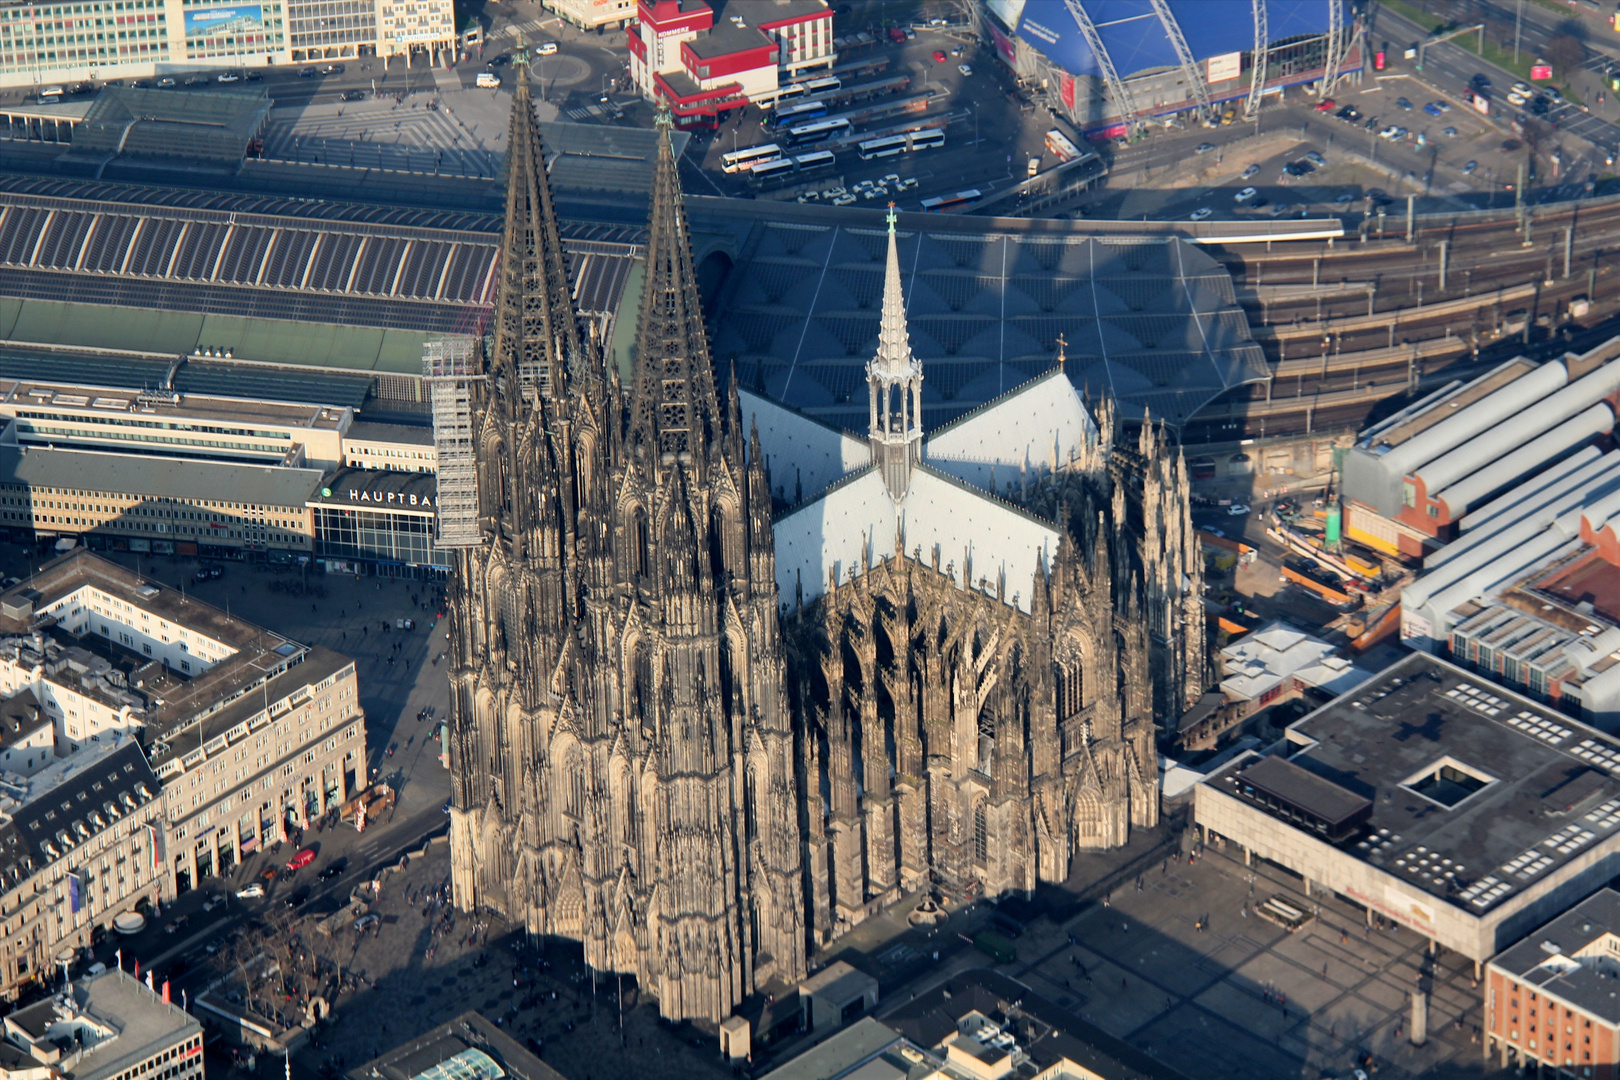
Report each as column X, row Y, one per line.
column 107, row 787
column 1152, row 321
column 1544, row 959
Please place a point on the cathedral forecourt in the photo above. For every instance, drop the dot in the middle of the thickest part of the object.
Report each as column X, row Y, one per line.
column 1432, row 797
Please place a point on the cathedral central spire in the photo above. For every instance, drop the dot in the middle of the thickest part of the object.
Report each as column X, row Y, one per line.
column 895, row 380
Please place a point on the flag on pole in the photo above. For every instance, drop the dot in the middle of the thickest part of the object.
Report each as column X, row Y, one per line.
column 165, row 991
column 149, row 980
column 119, row 955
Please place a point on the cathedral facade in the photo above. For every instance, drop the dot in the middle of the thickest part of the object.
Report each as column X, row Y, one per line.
column 701, row 729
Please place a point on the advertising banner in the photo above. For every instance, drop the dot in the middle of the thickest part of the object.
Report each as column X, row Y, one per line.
column 214, row 22
column 1004, row 46
column 1066, row 88
column 1008, row 11
column 1224, row 67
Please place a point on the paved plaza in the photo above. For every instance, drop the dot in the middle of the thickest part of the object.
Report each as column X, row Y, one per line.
column 1243, row 998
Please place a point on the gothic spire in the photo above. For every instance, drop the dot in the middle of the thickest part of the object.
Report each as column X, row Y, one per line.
column 673, row 407
column 894, row 378
column 536, row 333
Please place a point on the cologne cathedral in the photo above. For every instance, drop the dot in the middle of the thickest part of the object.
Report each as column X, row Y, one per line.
column 701, row 730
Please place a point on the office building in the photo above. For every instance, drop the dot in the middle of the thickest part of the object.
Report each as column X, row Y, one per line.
column 594, row 14
column 42, row 44
column 170, row 506
column 1454, row 807
column 1550, row 997
column 110, row 1026
column 249, row 733
column 81, row 842
column 707, row 63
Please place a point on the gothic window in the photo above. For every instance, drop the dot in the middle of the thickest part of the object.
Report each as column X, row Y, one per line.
column 640, row 544
column 981, row 835
column 576, row 787
column 1070, row 689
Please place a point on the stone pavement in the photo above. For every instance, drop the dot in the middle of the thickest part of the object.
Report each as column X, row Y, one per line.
column 429, row 964
column 1242, row 998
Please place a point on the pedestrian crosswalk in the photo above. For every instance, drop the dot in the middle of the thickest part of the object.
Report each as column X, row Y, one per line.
column 525, row 30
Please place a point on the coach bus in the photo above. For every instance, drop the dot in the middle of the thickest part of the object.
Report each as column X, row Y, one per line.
column 953, row 202
column 798, row 112
column 743, row 160
column 815, row 160
column 888, row 146
column 823, row 84
column 927, row 140
column 817, row 130
column 774, row 169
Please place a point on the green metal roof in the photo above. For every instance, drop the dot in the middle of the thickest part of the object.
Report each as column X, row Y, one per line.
column 179, row 333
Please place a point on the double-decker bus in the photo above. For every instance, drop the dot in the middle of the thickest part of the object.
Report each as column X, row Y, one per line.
column 817, row 130
column 743, row 160
column 953, row 202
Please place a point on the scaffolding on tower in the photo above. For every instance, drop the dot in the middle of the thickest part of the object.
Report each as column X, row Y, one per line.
column 450, row 367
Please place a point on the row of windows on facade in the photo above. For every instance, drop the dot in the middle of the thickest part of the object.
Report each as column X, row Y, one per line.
column 39, row 519
column 159, row 425
column 159, row 440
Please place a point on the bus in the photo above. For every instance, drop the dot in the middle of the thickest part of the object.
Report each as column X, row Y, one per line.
column 1059, row 146
column 823, row 85
column 774, row 169
column 798, row 112
column 953, row 202
column 888, row 146
column 817, row 130
column 814, row 160
column 743, row 160
column 790, row 91
column 927, row 140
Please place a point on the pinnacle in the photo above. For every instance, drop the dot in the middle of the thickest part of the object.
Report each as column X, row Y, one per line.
column 894, row 358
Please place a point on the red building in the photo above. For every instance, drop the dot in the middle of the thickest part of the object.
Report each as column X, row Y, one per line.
column 707, row 63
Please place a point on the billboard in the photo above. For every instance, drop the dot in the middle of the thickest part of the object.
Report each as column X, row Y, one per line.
column 1008, row 11
column 1005, row 46
column 1066, row 89
column 1225, row 66
column 218, row 21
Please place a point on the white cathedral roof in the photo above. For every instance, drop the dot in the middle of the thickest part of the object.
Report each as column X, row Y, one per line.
column 1035, row 428
column 804, row 455
column 854, row 526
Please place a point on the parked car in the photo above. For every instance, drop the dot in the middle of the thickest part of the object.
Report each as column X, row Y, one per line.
column 307, row 73
column 1326, row 105
column 1432, row 109
column 1237, row 509
column 1315, row 159
column 1468, row 169
column 1449, row 132
column 939, row 56
column 229, row 77
column 1203, row 148
column 250, row 892
column 354, row 95
column 332, row 69
column 965, row 69
column 1402, row 103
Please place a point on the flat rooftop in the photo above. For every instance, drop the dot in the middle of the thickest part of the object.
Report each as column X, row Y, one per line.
column 142, row 1022
column 469, row 1031
column 173, row 698
column 367, row 430
column 1547, row 959
column 1476, row 792
column 99, row 401
column 379, row 489
column 156, row 476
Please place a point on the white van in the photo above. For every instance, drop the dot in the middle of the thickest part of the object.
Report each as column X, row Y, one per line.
column 488, row 80
column 51, row 93
column 547, row 48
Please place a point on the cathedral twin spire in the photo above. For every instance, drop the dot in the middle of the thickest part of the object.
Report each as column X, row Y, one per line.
column 674, row 411
column 536, row 333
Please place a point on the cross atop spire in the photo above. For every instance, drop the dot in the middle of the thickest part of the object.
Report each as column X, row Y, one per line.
column 1063, row 345
column 895, row 380
column 673, row 407
column 536, row 332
